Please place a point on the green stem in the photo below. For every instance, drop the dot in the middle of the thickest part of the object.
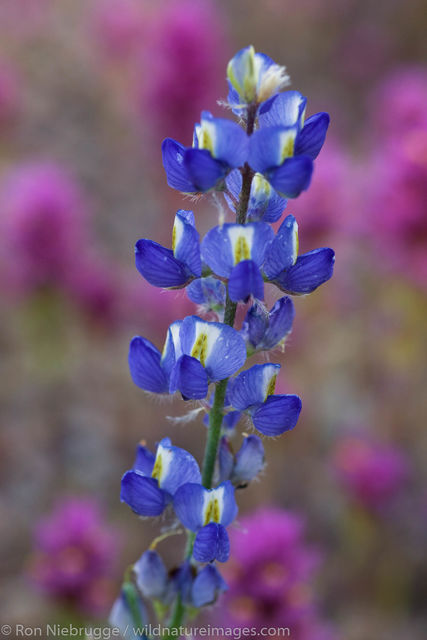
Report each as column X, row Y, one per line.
column 216, row 413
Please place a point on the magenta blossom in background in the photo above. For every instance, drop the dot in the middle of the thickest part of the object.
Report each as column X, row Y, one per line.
column 43, row 225
column 120, row 27
column 182, row 66
column 94, row 284
column 399, row 104
column 325, row 207
column 270, row 576
column 372, row 473
column 396, row 220
column 74, row 557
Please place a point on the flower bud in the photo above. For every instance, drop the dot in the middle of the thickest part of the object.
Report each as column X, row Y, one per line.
column 255, row 77
column 208, row 292
column 207, row 586
column 151, row 575
column 123, row 612
column 249, row 461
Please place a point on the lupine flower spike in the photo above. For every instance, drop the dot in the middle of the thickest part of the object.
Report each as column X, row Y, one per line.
column 256, row 163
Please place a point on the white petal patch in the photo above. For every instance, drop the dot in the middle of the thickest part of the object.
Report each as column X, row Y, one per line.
column 162, row 463
column 295, row 246
column 177, row 233
column 268, row 373
column 241, row 239
column 286, row 144
column 173, row 334
column 213, row 505
column 206, row 135
column 205, row 336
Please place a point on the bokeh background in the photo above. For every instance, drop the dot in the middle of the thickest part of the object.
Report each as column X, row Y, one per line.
column 88, row 89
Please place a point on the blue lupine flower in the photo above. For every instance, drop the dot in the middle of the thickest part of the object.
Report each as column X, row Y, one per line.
column 237, row 252
column 252, row 391
column 196, row 353
column 245, row 465
column 264, row 202
column 153, row 481
column 271, row 152
column 292, row 273
column 283, row 148
column 207, row 586
column 174, row 268
column 150, row 369
column 207, row 512
column 123, row 612
column 288, row 110
column 265, row 330
column 209, row 292
column 219, row 145
column 254, row 77
column 152, row 577
column 211, row 351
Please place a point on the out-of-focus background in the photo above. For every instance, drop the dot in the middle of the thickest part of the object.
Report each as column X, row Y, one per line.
column 88, row 89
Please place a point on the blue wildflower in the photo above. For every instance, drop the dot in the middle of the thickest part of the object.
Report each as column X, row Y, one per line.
column 264, row 330
column 264, row 202
column 211, row 351
column 283, row 148
column 196, row 353
column 252, row 391
column 237, row 252
column 208, row 292
column 219, row 145
column 292, row 273
column 153, row 481
column 174, row 268
column 150, row 369
column 151, row 576
column 241, row 468
column 207, row 512
column 295, row 274
column 253, row 78
column 207, row 586
column 287, row 110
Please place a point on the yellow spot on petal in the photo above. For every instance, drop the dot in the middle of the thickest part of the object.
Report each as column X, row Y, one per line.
column 173, row 238
column 200, row 348
column 205, row 140
column 241, row 250
column 288, row 148
column 271, row 387
column 213, row 512
column 157, row 469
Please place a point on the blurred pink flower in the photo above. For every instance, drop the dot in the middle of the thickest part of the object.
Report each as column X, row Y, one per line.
column 182, row 66
column 43, row 225
column 371, row 472
column 95, row 286
column 120, row 27
column 74, row 557
column 270, row 576
column 326, row 207
column 399, row 104
column 396, row 211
